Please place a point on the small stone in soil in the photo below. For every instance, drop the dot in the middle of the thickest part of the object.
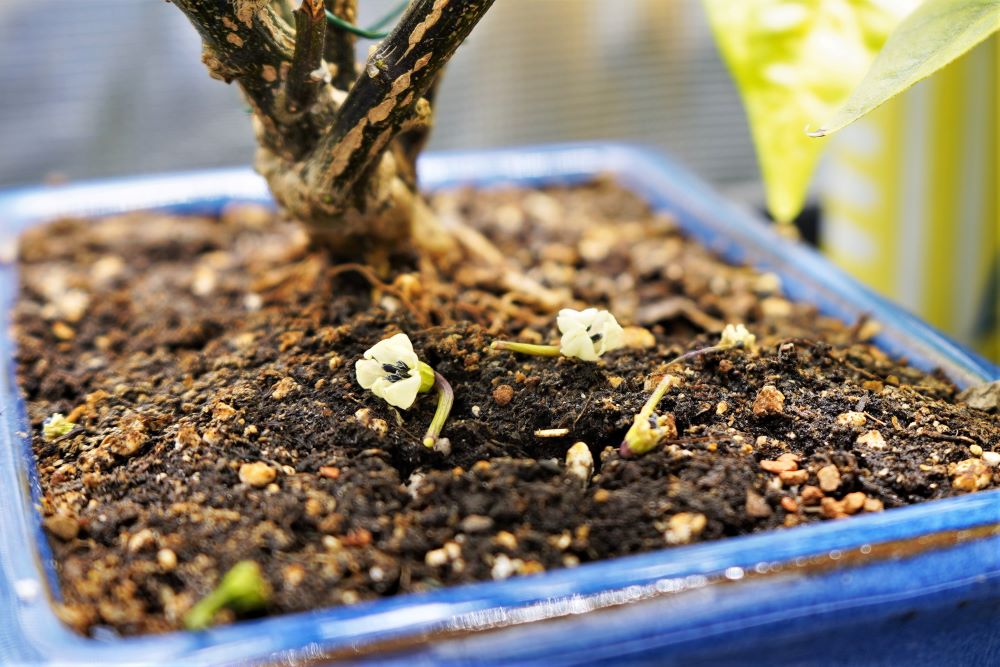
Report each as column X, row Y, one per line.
column 872, row 439
column 257, row 474
column 829, row 478
column 580, row 462
column 166, row 559
column 769, row 401
column 756, row 506
column 778, row 467
column 794, row 477
column 852, row 419
column 476, row 523
column 63, row 526
column 503, row 394
column 970, row 475
column 283, row 388
column 684, row 527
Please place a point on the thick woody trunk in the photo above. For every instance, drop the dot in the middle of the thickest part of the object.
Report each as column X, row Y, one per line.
column 337, row 146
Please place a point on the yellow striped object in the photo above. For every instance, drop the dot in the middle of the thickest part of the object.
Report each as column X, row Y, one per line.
column 911, row 195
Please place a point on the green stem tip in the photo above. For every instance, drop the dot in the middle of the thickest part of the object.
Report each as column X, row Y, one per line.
column 527, row 348
column 645, row 432
column 243, row 588
column 446, row 397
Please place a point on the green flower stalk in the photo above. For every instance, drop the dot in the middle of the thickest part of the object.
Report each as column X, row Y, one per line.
column 527, row 348
column 648, row 428
column 243, row 588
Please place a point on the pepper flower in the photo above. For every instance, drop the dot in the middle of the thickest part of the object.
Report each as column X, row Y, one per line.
column 586, row 334
column 391, row 370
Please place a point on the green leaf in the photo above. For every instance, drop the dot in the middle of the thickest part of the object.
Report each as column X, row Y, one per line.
column 937, row 33
column 794, row 61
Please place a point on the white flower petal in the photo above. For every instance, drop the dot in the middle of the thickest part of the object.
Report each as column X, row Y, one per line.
column 367, row 372
column 579, row 329
column 402, row 393
column 737, row 336
column 372, row 375
column 578, row 344
column 569, row 320
column 393, row 349
column 612, row 333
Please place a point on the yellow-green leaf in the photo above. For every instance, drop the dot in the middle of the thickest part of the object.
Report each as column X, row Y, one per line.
column 794, row 61
column 937, row 33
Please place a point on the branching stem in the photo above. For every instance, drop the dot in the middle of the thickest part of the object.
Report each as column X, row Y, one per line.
column 310, row 37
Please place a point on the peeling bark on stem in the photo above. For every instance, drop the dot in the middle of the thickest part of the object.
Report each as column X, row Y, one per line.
column 397, row 75
column 310, row 34
column 342, row 162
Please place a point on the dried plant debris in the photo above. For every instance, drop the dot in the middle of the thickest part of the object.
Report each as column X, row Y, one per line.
column 207, row 368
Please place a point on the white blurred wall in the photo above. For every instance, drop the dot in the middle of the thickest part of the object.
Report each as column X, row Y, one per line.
column 104, row 87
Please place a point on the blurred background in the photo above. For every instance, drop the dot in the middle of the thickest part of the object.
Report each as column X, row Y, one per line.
column 906, row 199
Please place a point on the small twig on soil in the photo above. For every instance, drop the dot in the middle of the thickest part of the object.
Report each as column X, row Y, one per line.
column 375, row 281
column 671, row 307
column 948, row 438
column 857, row 369
column 582, row 410
column 875, row 488
column 875, row 419
column 551, row 432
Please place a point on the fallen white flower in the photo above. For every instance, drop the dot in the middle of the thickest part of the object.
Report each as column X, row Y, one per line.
column 390, row 370
column 737, row 336
column 588, row 334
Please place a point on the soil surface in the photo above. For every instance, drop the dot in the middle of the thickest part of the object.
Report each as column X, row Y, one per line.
column 184, row 348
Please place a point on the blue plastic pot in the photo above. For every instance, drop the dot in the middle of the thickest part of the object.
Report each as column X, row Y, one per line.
column 915, row 586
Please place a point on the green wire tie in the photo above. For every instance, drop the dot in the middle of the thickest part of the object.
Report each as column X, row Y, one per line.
column 373, row 31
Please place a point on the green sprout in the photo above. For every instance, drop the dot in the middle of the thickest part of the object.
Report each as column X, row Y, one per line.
column 56, row 426
column 648, row 428
column 243, row 589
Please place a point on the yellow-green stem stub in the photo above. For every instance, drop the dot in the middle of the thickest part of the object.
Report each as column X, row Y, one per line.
column 243, row 588
column 446, row 397
column 644, row 434
column 426, row 377
column 527, row 348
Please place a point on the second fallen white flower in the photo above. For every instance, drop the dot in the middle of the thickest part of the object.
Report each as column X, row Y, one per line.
column 587, row 334
column 737, row 336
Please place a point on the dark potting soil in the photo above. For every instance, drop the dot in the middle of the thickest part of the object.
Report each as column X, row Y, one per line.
column 185, row 348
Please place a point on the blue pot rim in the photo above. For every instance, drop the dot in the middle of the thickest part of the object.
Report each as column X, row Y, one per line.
column 33, row 632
